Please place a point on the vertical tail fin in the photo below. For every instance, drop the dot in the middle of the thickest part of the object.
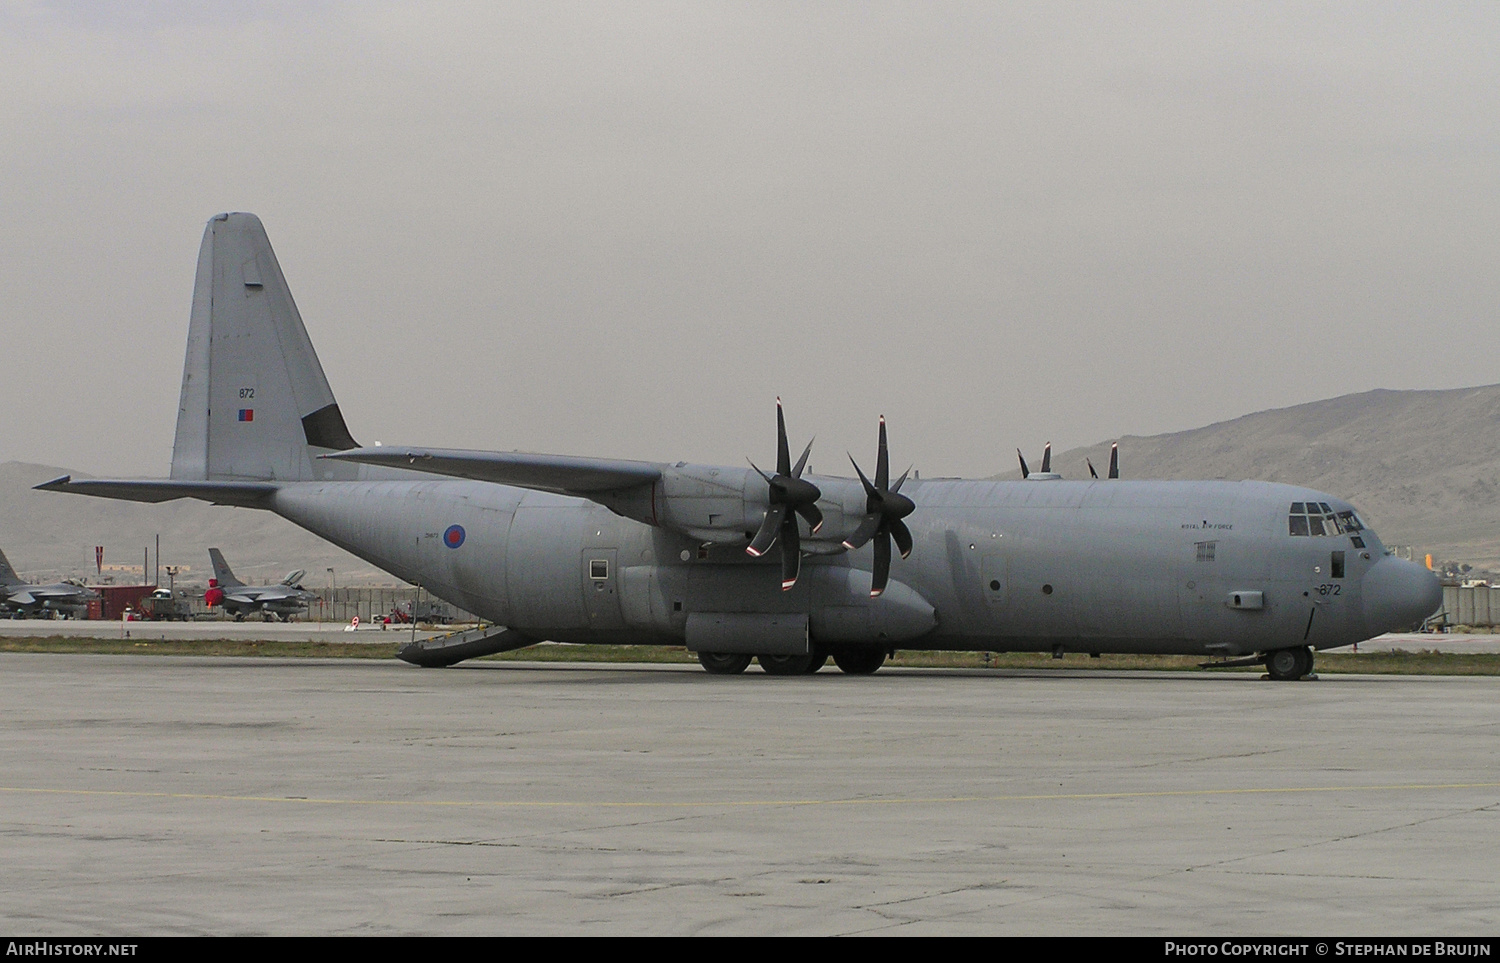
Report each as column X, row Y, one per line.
column 8, row 575
column 221, row 570
column 255, row 403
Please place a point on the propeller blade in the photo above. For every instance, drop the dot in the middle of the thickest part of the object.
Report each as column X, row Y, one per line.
column 1091, row 469
column 783, row 456
column 769, row 529
column 869, row 488
column 1047, row 458
column 1114, row 460
column 883, row 461
column 900, row 481
column 802, row 462
column 882, row 574
column 1025, row 472
column 902, row 535
column 812, row 515
column 791, row 553
column 863, row 533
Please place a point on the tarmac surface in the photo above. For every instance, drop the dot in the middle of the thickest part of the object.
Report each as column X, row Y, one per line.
column 159, row 795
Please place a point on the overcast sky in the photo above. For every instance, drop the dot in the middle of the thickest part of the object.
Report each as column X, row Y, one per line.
column 622, row 230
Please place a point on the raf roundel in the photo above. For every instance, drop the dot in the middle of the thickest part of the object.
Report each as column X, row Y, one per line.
column 454, row 536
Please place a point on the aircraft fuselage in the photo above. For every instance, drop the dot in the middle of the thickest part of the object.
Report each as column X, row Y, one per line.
column 1137, row 566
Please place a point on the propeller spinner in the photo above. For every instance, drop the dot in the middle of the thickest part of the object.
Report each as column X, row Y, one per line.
column 789, row 496
column 885, row 506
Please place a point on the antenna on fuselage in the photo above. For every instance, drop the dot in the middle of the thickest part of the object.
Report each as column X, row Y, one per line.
column 1046, row 473
column 1114, row 462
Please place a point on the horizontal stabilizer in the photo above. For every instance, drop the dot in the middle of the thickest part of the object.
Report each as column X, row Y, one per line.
column 243, row 494
column 561, row 474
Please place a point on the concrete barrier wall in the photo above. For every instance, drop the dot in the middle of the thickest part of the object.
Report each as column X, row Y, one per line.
column 1477, row 605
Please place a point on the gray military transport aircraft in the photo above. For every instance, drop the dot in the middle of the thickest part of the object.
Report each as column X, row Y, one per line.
column 596, row 550
column 21, row 599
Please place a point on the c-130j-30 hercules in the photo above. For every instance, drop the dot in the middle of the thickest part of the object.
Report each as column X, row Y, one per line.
column 574, row 549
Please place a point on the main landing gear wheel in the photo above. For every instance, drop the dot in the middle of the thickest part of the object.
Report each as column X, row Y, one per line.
column 816, row 661
column 785, row 664
column 724, row 663
column 1288, row 665
column 859, row 661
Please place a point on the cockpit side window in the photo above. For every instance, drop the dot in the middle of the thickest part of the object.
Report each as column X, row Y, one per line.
column 1319, row 519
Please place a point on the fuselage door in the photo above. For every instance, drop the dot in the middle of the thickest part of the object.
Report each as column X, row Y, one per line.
column 601, row 588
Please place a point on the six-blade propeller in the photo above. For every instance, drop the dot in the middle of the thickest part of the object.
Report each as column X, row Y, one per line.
column 790, row 497
column 885, row 506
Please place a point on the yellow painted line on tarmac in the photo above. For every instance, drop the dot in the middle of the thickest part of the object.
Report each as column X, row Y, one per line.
column 743, row 803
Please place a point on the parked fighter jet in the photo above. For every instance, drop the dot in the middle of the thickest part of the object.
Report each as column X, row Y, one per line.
column 20, row 599
column 594, row 550
column 273, row 601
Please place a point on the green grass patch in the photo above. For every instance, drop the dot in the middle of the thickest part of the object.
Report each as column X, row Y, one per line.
column 240, row 647
column 1396, row 662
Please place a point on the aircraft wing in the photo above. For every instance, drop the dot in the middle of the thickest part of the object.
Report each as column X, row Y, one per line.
column 243, row 494
column 561, row 474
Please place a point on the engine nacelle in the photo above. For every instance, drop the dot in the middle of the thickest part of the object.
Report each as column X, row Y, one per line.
column 724, row 506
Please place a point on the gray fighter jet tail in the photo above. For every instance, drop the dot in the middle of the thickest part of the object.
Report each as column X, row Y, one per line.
column 221, row 570
column 8, row 575
column 255, row 403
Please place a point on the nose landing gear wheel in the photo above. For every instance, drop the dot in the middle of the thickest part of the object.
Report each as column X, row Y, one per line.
column 724, row 663
column 1288, row 665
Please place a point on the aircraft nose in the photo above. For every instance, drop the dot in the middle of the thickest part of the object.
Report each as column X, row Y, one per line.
column 1398, row 594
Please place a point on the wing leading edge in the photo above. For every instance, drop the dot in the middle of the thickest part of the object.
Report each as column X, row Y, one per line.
column 560, row 474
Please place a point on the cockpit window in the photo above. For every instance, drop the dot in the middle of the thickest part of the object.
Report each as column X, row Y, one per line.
column 1319, row 519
